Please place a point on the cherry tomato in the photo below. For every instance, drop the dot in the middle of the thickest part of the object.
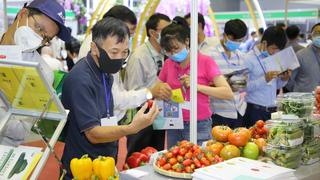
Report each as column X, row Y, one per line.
column 205, row 161
column 260, row 123
column 182, row 151
column 188, row 169
column 175, row 150
column 150, row 102
column 173, row 161
column 180, row 158
column 188, row 155
column 166, row 166
column 197, row 162
column 162, row 161
column 260, row 131
column 187, row 162
column 169, row 155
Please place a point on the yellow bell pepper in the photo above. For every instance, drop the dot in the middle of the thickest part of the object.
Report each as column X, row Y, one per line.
column 104, row 167
column 81, row 168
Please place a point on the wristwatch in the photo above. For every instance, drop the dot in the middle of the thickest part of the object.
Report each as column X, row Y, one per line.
column 148, row 94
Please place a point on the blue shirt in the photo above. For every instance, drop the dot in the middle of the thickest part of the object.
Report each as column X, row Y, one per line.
column 83, row 94
column 258, row 90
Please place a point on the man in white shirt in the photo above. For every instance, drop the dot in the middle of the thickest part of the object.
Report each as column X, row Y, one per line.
column 123, row 99
column 141, row 72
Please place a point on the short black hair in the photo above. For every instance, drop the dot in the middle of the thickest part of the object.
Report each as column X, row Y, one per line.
column 109, row 27
column 314, row 26
column 274, row 35
column 261, row 30
column 292, row 32
column 200, row 19
column 154, row 20
column 177, row 30
column 281, row 25
column 123, row 13
column 73, row 46
column 236, row 28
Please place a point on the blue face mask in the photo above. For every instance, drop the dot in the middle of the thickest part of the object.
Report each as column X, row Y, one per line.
column 180, row 56
column 316, row 41
column 232, row 45
column 265, row 54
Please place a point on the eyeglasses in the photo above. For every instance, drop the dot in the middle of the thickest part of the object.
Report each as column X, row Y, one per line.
column 315, row 33
column 40, row 30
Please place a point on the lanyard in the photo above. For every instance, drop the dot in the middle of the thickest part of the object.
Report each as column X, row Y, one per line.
column 107, row 94
column 264, row 71
column 228, row 62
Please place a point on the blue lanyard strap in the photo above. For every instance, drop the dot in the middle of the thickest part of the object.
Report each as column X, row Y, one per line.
column 107, row 94
column 264, row 71
column 228, row 62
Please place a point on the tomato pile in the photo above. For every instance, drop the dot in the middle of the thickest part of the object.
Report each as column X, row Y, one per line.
column 259, row 130
column 317, row 103
column 228, row 143
column 185, row 157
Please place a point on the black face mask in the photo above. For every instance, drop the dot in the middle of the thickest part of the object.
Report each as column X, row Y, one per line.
column 108, row 65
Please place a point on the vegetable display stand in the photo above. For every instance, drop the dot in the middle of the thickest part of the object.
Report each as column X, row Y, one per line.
column 299, row 104
column 285, row 132
column 27, row 98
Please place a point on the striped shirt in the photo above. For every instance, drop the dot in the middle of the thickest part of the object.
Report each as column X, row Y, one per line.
column 227, row 108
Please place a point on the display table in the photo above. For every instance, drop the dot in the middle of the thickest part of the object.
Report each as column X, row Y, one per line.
column 310, row 172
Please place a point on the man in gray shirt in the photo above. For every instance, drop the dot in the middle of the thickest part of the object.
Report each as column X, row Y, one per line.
column 307, row 76
column 141, row 72
column 293, row 34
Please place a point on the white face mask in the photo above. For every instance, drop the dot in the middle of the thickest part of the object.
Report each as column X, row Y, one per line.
column 159, row 38
column 27, row 38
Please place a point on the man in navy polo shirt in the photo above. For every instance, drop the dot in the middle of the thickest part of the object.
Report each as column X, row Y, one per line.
column 92, row 127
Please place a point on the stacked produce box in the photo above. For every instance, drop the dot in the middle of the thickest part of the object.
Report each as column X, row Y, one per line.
column 293, row 136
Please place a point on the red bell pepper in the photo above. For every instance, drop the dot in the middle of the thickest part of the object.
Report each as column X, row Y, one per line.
column 148, row 151
column 137, row 159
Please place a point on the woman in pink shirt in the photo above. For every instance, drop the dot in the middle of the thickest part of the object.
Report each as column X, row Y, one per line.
column 175, row 40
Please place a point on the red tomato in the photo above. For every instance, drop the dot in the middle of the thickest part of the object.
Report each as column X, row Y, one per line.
column 238, row 138
column 166, row 166
column 188, row 169
column 188, row 155
column 197, row 162
column 175, row 150
column 260, row 131
column 180, row 158
column 205, row 161
column 193, row 166
column 187, row 162
column 182, row 151
column 173, row 161
column 150, row 102
column 257, row 136
column 168, row 155
column 260, row 123
column 162, row 161
column 265, row 130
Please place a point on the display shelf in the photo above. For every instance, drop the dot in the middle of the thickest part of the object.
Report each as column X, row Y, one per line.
column 25, row 93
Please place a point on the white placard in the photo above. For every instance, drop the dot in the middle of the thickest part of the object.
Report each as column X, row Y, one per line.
column 281, row 61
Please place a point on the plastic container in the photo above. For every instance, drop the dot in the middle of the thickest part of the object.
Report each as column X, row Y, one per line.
column 285, row 132
column 312, row 129
column 285, row 157
column 311, row 151
column 300, row 104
